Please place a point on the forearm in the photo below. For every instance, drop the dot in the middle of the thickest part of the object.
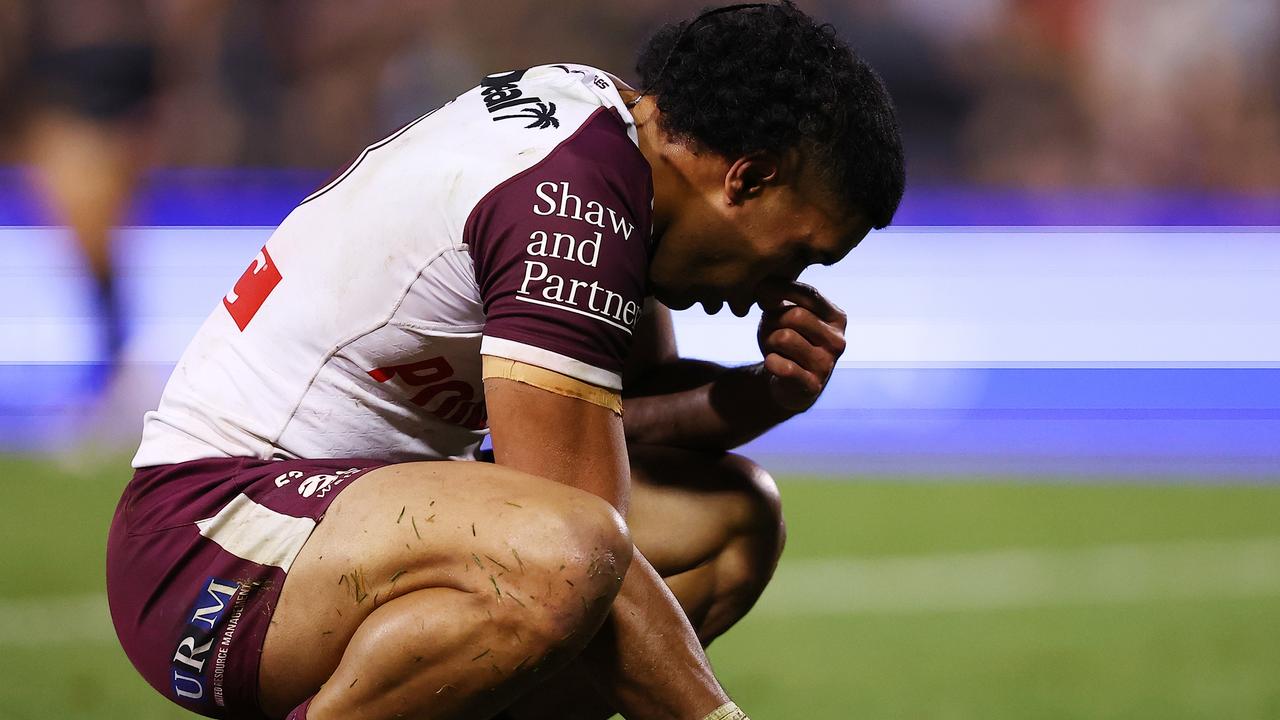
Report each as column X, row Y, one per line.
column 702, row 406
column 647, row 659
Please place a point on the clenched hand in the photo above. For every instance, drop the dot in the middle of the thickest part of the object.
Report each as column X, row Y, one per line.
column 801, row 336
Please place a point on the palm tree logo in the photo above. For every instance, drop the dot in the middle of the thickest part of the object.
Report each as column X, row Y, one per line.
column 542, row 114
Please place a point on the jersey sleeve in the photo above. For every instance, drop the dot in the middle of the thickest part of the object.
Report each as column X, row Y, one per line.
column 561, row 254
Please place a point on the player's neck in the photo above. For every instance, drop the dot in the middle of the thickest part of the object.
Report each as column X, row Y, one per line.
column 671, row 187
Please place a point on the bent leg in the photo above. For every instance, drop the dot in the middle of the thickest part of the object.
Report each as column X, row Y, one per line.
column 711, row 525
column 440, row 590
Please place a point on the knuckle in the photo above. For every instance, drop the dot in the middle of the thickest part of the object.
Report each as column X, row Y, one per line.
column 796, row 314
column 787, row 336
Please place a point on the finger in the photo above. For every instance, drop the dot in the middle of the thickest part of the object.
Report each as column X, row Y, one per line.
column 811, row 330
column 816, row 331
column 797, row 381
column 792, row 346
column 774, row 297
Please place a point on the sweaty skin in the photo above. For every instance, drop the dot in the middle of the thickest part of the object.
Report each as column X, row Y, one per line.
column 700, row 405
column 648, row 659
column 465, row 584
column 732, row 231
column 716, row 566
column 580, row 588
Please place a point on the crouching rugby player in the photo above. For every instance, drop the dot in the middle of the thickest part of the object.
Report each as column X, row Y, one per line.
column 308, row 533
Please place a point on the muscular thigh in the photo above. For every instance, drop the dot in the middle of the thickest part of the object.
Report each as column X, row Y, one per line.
column 687, row 506
column 711, row 525
column 399, row 529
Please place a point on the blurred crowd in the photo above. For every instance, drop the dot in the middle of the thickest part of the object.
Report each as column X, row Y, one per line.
column 1024, row 93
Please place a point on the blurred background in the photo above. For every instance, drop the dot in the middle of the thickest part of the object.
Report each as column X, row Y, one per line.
column 1043, row 481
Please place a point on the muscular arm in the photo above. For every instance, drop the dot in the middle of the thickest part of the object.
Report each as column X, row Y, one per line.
column 695, row 404
column 648, row 658
column 700, row 405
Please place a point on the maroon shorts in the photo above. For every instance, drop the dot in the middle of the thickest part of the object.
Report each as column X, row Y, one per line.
column 196, row 558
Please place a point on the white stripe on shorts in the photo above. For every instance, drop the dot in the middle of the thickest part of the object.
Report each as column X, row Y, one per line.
column 257, row 533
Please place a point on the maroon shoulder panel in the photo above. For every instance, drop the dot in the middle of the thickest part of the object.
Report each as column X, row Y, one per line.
column 562, row 249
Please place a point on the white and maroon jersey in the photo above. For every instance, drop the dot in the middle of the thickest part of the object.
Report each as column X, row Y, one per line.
column 515, row 221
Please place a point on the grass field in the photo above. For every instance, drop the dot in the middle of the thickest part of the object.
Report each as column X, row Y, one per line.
column 903, row 599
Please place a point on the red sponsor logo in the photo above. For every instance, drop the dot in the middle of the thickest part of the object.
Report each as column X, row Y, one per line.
column 443, row 397
column 252, row 289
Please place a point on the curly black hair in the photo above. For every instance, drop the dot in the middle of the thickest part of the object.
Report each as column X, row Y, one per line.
column 753, row 78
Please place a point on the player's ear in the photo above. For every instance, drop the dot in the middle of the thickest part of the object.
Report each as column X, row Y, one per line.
column 750, row 175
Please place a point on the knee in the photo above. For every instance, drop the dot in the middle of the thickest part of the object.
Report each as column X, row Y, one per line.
column 753, row 537
column 576, row 562
column 726, row 502
column 757, row 505
column 596, row 544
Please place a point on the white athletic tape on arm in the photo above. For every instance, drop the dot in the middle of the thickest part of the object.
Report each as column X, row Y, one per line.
column 728, row 711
